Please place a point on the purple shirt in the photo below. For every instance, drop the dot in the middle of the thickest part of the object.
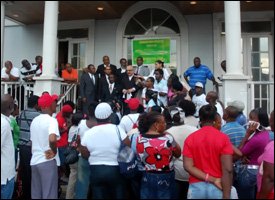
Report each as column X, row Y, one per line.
column 254, row 147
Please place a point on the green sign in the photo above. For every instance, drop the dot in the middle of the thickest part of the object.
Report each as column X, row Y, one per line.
column 151, row 50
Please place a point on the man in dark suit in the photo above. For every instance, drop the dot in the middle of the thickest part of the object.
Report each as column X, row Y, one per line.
column 111, row 91
column 89, row 87
column 106, row 62
column 129, row 84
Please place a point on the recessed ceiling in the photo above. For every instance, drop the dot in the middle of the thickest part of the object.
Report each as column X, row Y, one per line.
column 32, row 12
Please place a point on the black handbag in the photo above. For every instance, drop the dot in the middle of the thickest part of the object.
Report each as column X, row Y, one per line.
column 71, row 153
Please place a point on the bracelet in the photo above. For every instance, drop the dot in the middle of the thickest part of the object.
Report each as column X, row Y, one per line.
column 206, row 177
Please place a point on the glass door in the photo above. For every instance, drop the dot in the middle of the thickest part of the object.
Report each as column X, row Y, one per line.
column 77, row 53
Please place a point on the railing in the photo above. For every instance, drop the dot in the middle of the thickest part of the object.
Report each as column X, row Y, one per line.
column 21, row 91
column 68, row 93
column 260, row 94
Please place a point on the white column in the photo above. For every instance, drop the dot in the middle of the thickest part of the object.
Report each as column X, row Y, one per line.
column 234, row 81
column 50, row 38
column 233, row 37
column 2, row 30
column 49, row 81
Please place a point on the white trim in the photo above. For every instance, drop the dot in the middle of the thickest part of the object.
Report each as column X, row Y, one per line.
column 90, row 44
column 166, row 6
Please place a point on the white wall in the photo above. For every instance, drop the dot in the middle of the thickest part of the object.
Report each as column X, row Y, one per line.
column 200, row 31
column 105, row 40
column 22, row 42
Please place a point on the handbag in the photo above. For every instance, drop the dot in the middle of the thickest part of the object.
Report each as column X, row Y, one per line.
column 71, row 153
column 126, row 159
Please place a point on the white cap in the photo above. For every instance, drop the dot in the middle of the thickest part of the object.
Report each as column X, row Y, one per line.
column 103, row 111
column 199, row 84
column 237, row 104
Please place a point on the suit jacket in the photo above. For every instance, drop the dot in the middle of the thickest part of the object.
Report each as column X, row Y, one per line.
column 142, row 70
column 88, row 89
column 100, row 69
column 128, row 84
column 116, row 94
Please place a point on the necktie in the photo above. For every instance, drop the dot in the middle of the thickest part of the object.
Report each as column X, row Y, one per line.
column 110, row 88
column 93, row 78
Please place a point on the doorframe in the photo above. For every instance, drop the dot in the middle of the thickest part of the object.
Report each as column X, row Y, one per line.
column 166, row 6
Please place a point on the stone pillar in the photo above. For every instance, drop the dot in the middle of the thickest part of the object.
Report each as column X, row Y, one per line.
column 2, row 29
column 235, row 82
column 49, row 81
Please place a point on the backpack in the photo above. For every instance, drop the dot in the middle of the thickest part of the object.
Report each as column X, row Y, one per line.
column 135, row 125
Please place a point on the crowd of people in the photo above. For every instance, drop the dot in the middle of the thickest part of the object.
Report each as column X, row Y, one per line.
column 188, row 144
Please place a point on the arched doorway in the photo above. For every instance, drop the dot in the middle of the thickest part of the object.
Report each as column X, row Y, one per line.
column 154, row 25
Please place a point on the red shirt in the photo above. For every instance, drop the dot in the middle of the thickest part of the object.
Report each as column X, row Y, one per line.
column 205, row 147
column 63, row 141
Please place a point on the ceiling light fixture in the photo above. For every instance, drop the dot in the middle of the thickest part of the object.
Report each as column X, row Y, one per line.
column 15, row 15
column 193, row 2
column 248, row 1
column 100, row 8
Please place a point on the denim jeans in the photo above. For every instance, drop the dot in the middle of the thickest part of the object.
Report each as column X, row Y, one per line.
column 203, row 190
column 83, row 179
column 245, row 182
column 158, row 186
column 107, row 182
column 7, row 190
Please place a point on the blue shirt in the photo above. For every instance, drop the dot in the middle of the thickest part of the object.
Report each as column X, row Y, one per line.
column 198, row 74
column 241, row 119
column 235, row 132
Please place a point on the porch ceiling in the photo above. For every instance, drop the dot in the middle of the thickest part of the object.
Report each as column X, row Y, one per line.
column 32, row 12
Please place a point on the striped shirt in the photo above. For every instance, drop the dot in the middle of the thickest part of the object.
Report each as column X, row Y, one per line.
column 24, row 121
column 235, row 132
column 33, row 71
column 198, row 74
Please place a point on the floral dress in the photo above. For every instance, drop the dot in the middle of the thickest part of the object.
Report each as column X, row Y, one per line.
column 156, row 152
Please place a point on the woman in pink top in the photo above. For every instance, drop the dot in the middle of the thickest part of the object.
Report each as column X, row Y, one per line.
column 265, row 177
column 252, row 146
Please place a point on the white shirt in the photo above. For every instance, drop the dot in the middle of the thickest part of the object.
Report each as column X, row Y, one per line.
column 82, row 126
column 41, row 127
column 126, row 124
column 73, row 130
column 103, row 144
column 191, row 121
column 14, row 71
column 180, row 133
column 7, row 151
column 199, row 101
column 161, row 87
column 92, row 77
column 220, row 111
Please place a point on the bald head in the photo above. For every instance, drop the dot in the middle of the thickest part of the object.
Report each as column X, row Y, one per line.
column 230, row 113
column 211, row 97
column 8, row 64
column 7, row 104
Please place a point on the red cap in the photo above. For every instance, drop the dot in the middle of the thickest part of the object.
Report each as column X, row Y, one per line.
column 46, row 100
column 67, row 109
column 133, row 103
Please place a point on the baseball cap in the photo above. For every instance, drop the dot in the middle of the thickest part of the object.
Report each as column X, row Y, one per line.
column 237, row 104
column 133, row 103
column 67, row 109
column 199, row 84
column 46, row 100
column 103, row 111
